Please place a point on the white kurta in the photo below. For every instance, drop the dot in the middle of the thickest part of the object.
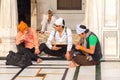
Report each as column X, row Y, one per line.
column 66, row 38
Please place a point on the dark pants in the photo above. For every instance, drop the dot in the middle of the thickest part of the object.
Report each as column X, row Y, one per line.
column 81, row 59
column 30, row 52
column 60, row 53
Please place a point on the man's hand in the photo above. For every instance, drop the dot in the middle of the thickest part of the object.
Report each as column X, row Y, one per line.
column 55, row 47
column 78, row 47
column 37, row 51
column 23, row 37
column 67, row 55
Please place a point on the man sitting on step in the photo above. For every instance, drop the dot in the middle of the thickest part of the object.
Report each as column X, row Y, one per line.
column 63, row 41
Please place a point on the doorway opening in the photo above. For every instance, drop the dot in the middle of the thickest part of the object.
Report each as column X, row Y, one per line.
column 24, row 11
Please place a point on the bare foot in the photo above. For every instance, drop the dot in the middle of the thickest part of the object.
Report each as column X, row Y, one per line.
column 39, row 60
column 73, row 64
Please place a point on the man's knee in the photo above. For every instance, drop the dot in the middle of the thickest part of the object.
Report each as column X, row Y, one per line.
column 42, row 46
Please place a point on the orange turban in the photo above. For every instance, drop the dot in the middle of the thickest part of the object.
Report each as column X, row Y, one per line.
column 22, row 26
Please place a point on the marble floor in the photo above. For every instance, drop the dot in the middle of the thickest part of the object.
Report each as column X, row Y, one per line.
column 59, row 70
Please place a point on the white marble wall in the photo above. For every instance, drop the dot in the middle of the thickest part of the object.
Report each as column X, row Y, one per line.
column 34, row 14
column 8, row 26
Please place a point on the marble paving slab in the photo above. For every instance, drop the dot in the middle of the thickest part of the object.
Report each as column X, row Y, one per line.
column 110, row 70
column 46, row 70
column 86, row 73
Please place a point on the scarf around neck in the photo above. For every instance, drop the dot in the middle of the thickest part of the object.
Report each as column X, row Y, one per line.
column 83, row 40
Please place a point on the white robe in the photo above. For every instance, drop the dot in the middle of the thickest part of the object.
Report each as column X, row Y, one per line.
column 47, row 27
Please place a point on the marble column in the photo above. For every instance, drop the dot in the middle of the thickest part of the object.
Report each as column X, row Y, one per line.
column 8, row 26
column 34, row 14
column 93, row 15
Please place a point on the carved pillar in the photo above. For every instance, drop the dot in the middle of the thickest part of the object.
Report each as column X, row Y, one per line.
column 8, row 26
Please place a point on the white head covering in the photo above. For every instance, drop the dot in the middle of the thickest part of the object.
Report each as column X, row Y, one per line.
column 50, row 9
column 59, row 21
column 79, row 30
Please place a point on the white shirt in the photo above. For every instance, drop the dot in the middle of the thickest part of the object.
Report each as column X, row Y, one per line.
column 47, row 26
column 66, row 38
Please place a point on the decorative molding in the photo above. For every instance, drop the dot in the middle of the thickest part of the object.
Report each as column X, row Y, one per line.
column 110, row 44
column 110, row 15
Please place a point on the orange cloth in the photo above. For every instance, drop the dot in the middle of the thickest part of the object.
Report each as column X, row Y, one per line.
column 30, row 39
column 81, row 48
column 22, row 26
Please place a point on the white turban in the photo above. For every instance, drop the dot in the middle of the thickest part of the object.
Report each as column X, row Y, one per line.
column 79, row 30
column 59, row 21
